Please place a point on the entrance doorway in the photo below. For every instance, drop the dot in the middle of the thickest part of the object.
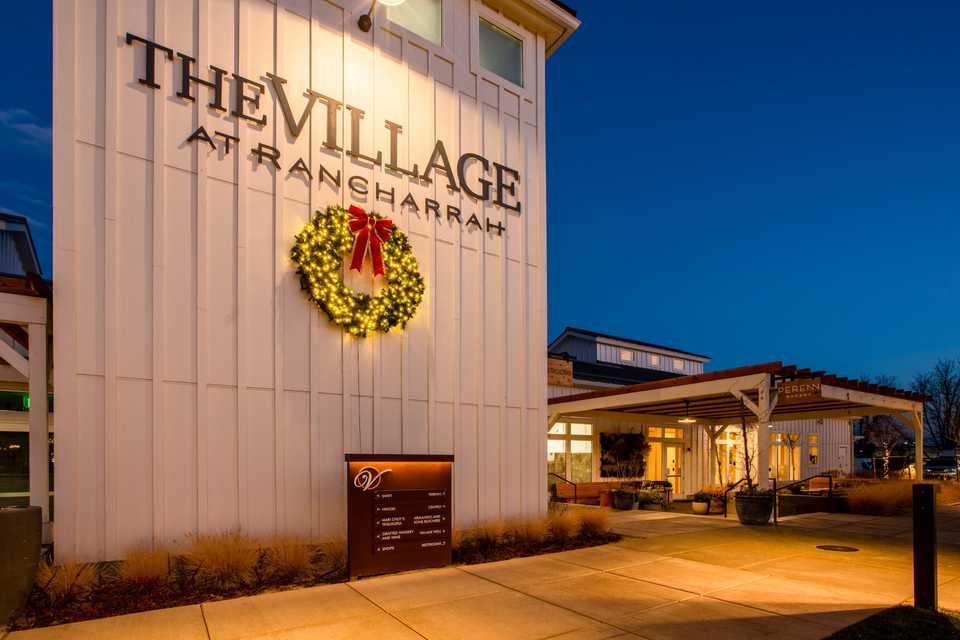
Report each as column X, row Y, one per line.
column 665, row 460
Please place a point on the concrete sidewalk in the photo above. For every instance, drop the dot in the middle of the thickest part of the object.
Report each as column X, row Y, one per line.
column 673, row 576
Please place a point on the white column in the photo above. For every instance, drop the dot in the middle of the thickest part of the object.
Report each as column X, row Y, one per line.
column 763, row 454
column 39, row 461
column 763, row 435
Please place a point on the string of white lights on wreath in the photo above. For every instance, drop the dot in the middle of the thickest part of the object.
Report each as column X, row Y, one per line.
column 318, row 253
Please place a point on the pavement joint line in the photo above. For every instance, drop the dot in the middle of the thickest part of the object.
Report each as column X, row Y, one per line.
column 203, row 616
column 377, row 605
column 554, row 604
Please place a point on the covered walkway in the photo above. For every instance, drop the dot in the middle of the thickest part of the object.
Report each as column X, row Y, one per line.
column 758, row 395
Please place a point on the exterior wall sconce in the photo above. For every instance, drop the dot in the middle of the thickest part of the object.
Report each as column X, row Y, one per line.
column 366, row 20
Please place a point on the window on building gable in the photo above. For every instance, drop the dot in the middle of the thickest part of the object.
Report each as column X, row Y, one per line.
column 654, row 360
column 501, row 52
column 422, row 17
column 678, row 364
column 626, row 355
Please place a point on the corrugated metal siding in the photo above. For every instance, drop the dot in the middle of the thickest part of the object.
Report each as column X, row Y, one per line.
column 553, row 391
column 580, row 348
column 10, row 261
column 646, row 360
column 832, row 434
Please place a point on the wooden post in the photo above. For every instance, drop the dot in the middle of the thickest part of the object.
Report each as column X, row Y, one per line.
column 918, row 440
column 924, row 547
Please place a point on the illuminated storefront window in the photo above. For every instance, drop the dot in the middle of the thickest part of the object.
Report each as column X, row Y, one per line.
column 570, row 452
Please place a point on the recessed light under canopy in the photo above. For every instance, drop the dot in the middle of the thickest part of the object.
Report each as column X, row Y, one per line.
column 366, row 20
column 686, row 419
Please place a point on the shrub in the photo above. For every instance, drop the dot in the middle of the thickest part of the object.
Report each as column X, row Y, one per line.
column 287, row 559
column 226, row 560
column 526, row 533
column 563, row 526
column 948, row 492
column 594, row 523
column 881, row 499
column 651, row 497
column 145, row 566
column 333, row 554
column 65, row 582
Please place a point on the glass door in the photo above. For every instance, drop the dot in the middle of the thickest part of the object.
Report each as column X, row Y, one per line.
column 673, row 461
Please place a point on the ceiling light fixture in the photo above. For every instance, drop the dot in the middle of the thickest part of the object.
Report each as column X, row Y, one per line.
column 686, row 419
column 366, row 20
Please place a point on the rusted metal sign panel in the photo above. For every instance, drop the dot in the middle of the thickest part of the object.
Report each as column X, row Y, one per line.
column 796, row 391
column 399, row 512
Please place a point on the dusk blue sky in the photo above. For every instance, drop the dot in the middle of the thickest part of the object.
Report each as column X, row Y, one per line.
column 750, row 180
column 760, row 181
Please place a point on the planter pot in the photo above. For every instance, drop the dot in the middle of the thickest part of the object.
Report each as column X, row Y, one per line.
column 622, row 500
column 716, row 505
column 20, row 531
column 754, row 509
column 701, row 508
column 606, row 500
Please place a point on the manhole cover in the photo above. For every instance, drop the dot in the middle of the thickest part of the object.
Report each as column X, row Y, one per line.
column 837, row 547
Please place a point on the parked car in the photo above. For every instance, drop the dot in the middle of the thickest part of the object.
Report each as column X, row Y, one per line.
column 941, row 467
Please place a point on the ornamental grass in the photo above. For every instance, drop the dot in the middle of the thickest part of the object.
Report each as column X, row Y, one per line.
column 286, row 559
column 145, row 566
column 563, row 526
column 894, row 497
column 67, row 582
column 562, row 529
column 225, row 560
column 594, row 523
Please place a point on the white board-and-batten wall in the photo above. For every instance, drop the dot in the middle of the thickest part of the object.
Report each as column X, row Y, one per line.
column 198, row 391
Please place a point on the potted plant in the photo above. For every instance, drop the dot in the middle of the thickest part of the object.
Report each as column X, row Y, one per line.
column 651, row 500
column 754, row 505
column 716, row 498
column 623, row 499
column 20, row 537
column 701, row 503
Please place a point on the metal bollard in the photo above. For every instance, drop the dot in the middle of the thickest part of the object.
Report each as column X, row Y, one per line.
column 924, row 547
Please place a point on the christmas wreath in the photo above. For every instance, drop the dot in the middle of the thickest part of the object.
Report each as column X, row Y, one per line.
column 318, row 253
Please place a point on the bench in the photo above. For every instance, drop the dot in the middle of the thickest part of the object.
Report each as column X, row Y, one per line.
column 586, row 492
column 818, row 485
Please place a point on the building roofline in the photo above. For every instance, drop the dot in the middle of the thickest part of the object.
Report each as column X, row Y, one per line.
column 552, row 19
column 775, row 368
column 14, row 217
column 650, row 345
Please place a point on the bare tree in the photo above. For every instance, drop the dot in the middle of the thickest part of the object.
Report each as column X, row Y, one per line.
column 747, row 456
column 884, row 432
column 887, row 434
column 941, row 413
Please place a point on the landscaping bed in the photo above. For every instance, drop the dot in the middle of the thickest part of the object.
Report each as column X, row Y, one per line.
column 231, row 566
column 903, row 623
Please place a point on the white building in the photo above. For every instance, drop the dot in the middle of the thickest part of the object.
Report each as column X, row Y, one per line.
column 679, row 453
column 198, row 389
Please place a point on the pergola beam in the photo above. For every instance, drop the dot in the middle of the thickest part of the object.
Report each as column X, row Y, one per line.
column 873, row 399
column 634, row 417
column 664, row 394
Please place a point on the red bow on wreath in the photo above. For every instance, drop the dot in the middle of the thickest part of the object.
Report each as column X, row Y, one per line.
column 370, row 232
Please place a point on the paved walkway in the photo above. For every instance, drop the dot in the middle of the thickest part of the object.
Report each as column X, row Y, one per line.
column 672, row 576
